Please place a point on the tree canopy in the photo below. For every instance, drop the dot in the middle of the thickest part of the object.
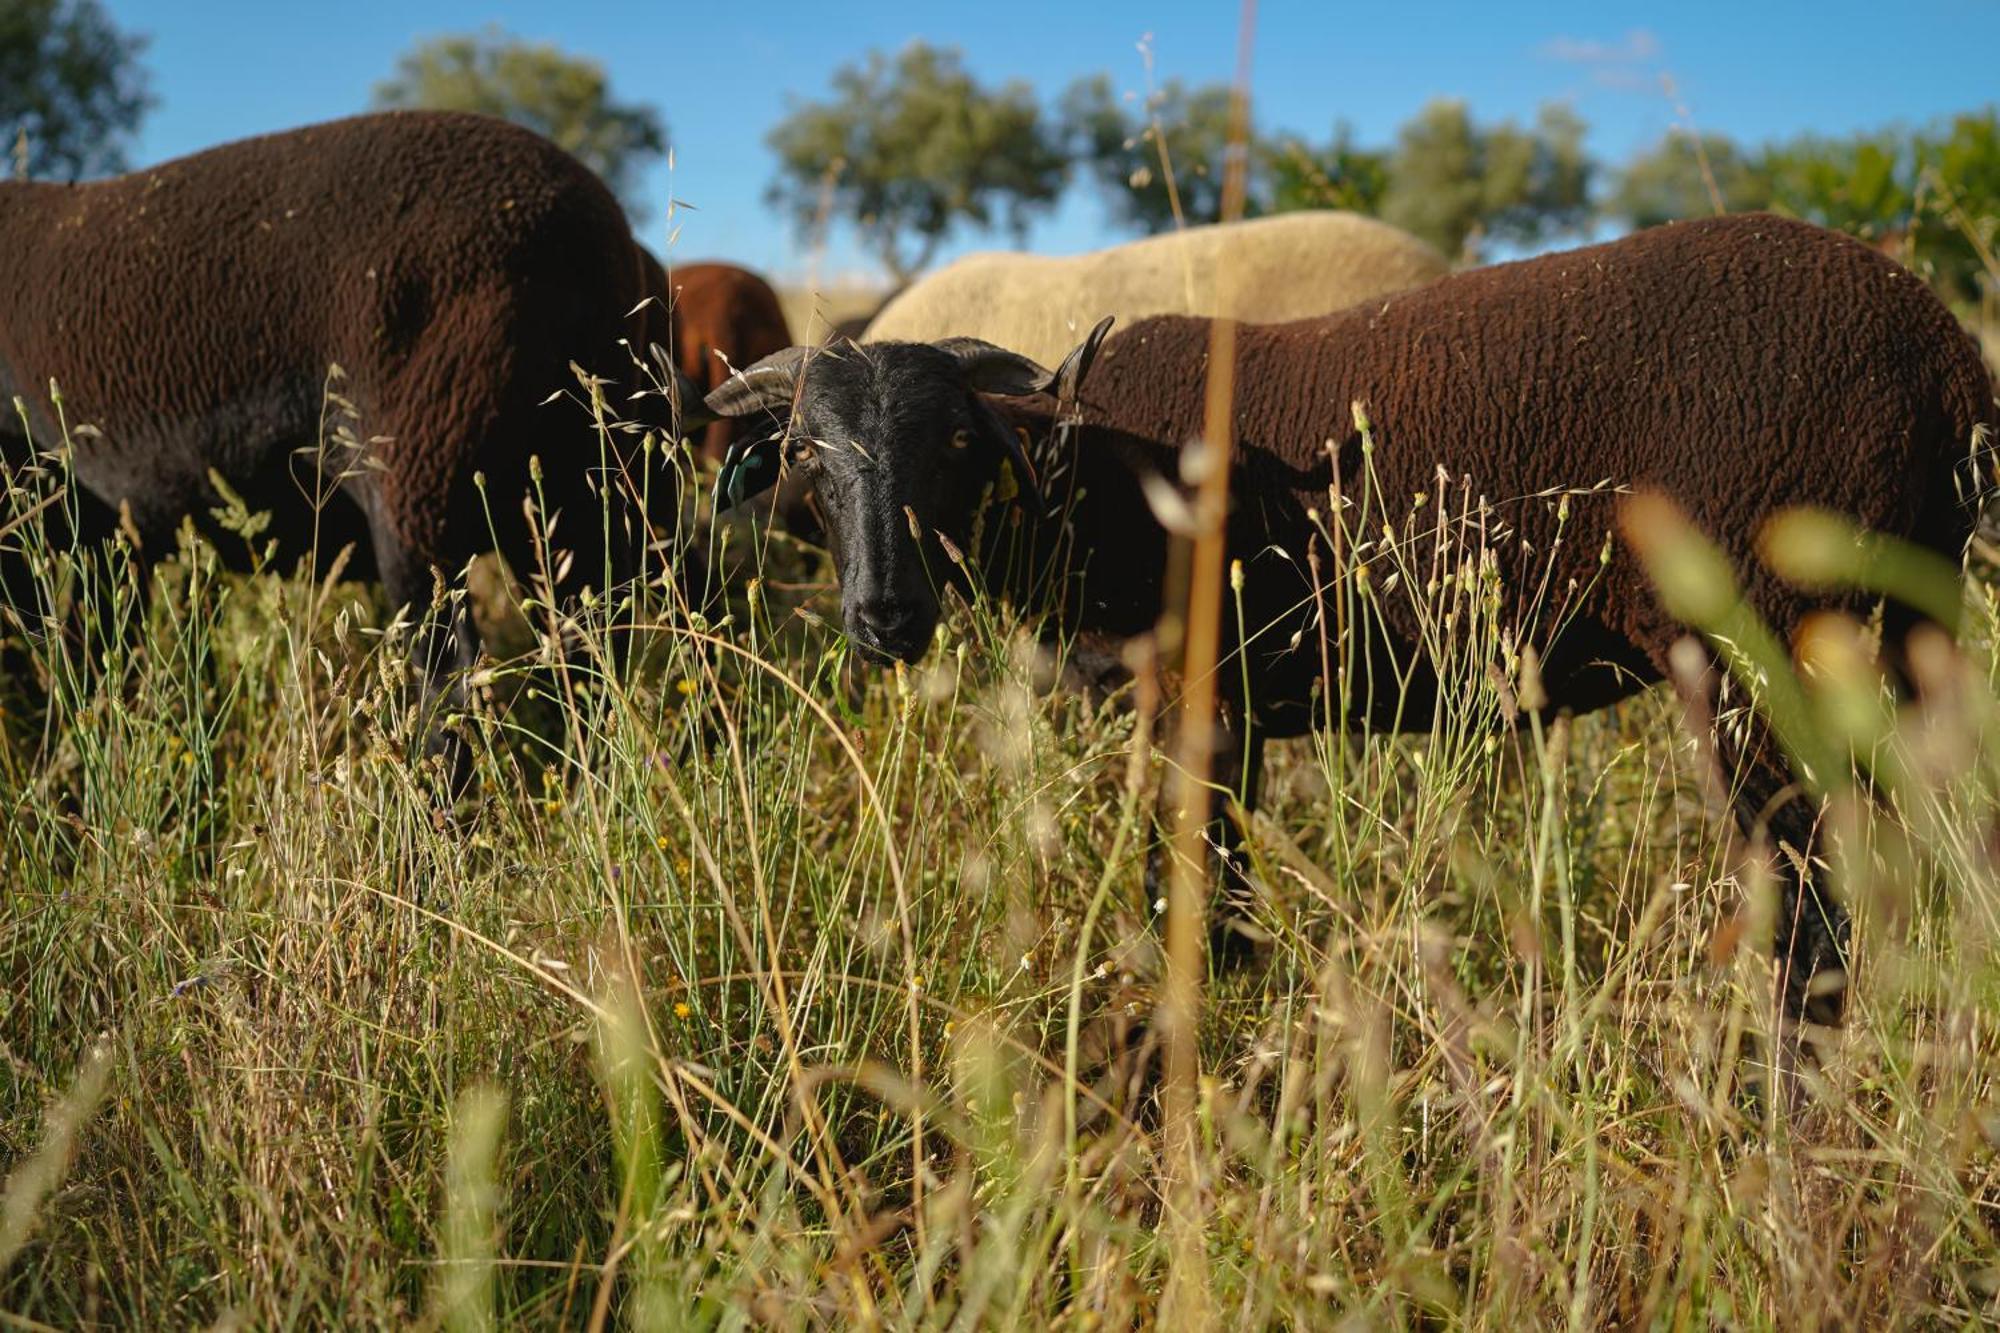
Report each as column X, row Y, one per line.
column 1340, row 174
column 1458, row 184
column 1449, row 180
column 563, row 97
column 1119, row 142
column 1689, row 177
column 71, row 88
column 908, row 147
column 1931, row 195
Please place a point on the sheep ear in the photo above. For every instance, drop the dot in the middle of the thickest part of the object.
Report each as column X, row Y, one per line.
column 749, row 468
column 1028, row 487
column 689, row 409
column 769, row 385
column 1067, row 382
column 989, row 369
column 985, row 368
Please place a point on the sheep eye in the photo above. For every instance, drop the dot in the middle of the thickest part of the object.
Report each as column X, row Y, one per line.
column 800, row 452
column 961, row 438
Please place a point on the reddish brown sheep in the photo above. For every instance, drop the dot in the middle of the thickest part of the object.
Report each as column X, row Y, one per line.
column 717, row 308
column 452, row 265
column 1738, row 365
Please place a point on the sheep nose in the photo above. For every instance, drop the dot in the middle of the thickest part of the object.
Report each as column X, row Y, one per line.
column 889, row 631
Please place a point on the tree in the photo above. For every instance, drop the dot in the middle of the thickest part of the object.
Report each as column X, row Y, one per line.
column 71, row 88
column 907, row 148
column 1933, row 197
column 1864, row 185
column 1119, row 143
column 566, row 99
column 1339, row 175
column 1456, row 184
column 1685, row 177
column 1959, row 178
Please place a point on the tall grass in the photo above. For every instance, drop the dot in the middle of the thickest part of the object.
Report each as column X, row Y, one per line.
column 755, row 988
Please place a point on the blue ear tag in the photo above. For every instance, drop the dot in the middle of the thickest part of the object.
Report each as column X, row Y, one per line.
column 746, row 469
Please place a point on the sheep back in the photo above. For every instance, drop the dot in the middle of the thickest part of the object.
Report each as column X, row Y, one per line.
column 1266, row 270
column 452, row 265
column 720, row 308
column 1739, row 365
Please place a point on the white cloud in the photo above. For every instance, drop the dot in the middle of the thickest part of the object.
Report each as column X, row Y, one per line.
column 1637, row 47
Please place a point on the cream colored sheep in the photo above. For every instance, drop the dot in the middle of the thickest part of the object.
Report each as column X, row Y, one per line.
column 1264, row 271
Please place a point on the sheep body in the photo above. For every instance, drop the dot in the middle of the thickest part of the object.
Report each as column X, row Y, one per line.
column 1741, row 366
column 1738, row 365
column 716, row 308
column 451, row 265
column 1267, row 270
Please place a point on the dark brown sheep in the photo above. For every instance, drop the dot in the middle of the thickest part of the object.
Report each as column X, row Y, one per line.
column 1740, row 366
column 453, row 266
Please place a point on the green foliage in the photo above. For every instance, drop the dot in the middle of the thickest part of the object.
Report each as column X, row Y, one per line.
column 1687, row 178
column 1959, row 181
column 565, row 98
column 1457, row 184
column 1933, row 194
column 1864, row 185
column 71, row 88
column 1119, row 142
column 1339, row 175
column 906, row 148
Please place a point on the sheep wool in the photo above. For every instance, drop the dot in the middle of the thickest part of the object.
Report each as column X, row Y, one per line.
column 717, row 308
column 1739, row 366
column 1265, row 270
column 453, row 267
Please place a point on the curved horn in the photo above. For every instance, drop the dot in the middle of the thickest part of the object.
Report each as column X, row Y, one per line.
column 987, row 368
column 990, row 369
column 769, row 385
column 684, row 397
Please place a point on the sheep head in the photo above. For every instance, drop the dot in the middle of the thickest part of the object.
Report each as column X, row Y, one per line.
column 896, row 444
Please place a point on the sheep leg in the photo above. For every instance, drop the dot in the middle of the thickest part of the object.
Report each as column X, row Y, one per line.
column 594, row 552
column 1234, row 774
column 1811, row 927
column 443, row 646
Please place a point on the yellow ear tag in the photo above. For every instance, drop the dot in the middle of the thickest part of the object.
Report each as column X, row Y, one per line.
column 1005, row 486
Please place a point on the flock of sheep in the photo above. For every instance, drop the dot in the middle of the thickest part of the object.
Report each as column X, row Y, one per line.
column 455, row 267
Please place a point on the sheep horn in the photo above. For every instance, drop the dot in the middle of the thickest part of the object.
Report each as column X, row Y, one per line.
column 684, row 396
column 1028, row 485
column 1067, row 382
column 769, row 385
column 990, row 369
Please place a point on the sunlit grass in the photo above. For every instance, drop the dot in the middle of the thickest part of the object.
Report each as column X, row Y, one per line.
column 752, row 986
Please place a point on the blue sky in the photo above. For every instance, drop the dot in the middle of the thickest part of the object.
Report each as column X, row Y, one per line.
column 721, row 72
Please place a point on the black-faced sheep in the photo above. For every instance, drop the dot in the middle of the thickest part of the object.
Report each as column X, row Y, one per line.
column 1268, row 270
column 1740, row 366
column 453, row 266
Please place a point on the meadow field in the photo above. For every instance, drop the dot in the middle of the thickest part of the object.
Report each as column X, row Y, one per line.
column 752, row 986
